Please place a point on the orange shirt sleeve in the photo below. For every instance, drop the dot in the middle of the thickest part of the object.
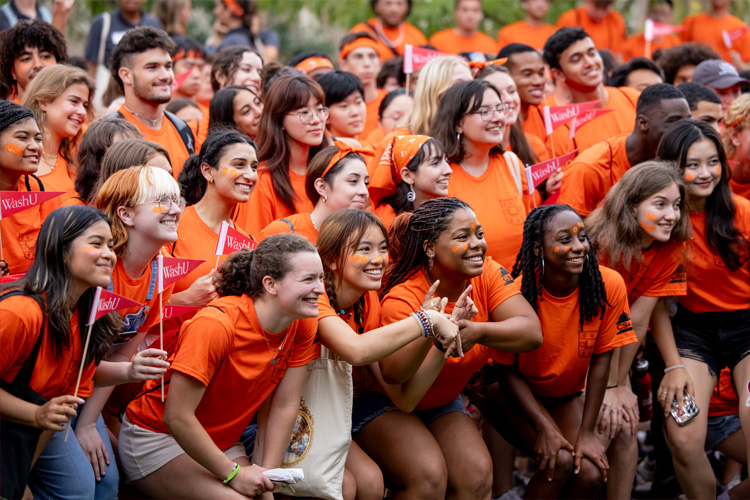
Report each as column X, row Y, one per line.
column 616, row 328
column 371, row 118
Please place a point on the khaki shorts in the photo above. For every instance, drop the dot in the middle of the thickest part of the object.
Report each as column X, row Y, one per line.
column 143, row 451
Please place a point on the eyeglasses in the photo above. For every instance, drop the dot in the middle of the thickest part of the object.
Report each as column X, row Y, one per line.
column 306, row 115
column 487, row 114
column 165, row 203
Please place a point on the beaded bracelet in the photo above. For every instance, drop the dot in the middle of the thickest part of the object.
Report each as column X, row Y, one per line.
column 232, row 475
column 670, row 368
column 422, row 325
column 429, row 329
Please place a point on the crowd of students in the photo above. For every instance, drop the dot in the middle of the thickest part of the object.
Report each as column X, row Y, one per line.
column 395, row 227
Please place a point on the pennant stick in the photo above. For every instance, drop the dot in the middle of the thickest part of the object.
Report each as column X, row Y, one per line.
column 647, row 51
column 408, row 82
column 161, row 338
column 1, row 247
column 552, row 143
column 80, row 370
column 217, row 262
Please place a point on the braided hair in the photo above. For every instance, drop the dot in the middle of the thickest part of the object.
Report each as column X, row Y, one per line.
column 409, row 232
column 592, row 296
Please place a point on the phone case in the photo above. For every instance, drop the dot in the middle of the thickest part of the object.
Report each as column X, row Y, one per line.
column 688, row 412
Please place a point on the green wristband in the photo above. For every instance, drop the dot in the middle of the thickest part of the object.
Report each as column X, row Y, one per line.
column 232, row 474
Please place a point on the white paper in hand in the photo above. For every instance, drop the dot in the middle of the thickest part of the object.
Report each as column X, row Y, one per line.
column 289, row 476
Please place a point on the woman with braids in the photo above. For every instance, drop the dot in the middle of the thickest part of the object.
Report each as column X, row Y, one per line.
column 583, row 309
column 441, row 250
column 470, row 124
column 336, row 179
column 48, row 308
column 292, row 132
column 248, row 346
column 411, row 171
column 353, row 246
column 712, row 324
column 640, row 232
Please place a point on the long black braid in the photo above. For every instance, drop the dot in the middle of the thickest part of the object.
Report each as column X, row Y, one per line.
column 592, row 295
column 407, row 236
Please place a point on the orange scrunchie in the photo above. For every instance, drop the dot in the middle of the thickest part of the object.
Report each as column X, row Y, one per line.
column 484, row 64
column 310, row 64
column 345, row 149
column 386, row 175
column 358, row 44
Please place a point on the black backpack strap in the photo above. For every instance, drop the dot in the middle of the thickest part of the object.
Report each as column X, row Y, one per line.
column 184, row 130
column 384, row 40
column 116, row 114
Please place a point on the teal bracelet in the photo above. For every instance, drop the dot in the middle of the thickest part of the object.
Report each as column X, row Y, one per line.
column 232, row 474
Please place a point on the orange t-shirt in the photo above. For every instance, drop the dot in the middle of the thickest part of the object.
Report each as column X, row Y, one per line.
column 199, row 129
column 559, row 367
column 397, row 37
column 712, row 287
column 740, row 189
column 558, row 143
column 371, row 118
column 523, row 32
column 59, row 179
column 590, row 175
column 137, row 289
column 489, row 290
column 264, row 207
column 302, row 223
column 635, row 46
column 660, row 274
column 52, row 376
column 226, row 349
column 495, row 200
column 167, row 136
column 375, row 137
column 386, row 214
column 450, row 42
column 537, row 145
column 623, row 100
column 609, row 33
column 708, row 30
column 724, row 400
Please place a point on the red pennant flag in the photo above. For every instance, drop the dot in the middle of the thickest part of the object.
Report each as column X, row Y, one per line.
column 180, row 79
column 105, row 302
column 176, row 311
column 582, row 119
column 555, row 116
column 172, row 269
column 12, row 202
column 231, row 240
column 730, row 36
column 658, row 30
column 536, row 174
column 416, row 57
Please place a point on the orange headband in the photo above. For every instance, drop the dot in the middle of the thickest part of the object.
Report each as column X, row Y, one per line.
column 737, row 121
column 310, row 64
column 181, row 54
column 386, row 175
column 484, row 64
column 358, row 44
column 234, row 7
column 345, row 149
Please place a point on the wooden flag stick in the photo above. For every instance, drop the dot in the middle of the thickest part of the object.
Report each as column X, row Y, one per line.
column 161, row 338
column 217, row 262
column 408, row 82
column 80, row 371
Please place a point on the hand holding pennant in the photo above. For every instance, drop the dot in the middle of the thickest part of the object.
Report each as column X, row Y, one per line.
column 12, row 202
column 104, row 302
column 556, row 116
column 585, row 117
column 536, row 174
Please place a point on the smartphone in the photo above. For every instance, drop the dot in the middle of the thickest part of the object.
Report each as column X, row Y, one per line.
column 688, row 412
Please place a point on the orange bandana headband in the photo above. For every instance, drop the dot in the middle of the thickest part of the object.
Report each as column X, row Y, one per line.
column 234, row 7
column 345, row 149
column 483, row 64
column 310, row 64
column 737, row 121
column 181, row 54
column 359, row 43
column 386, row 176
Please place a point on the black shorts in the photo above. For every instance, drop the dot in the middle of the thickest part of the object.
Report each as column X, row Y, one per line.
column 718, row 339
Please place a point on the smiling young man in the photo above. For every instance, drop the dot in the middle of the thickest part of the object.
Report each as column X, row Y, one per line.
column 359, row 55
column 572, row 56
column 590, row 175
column 27, row 48
column 142, row 67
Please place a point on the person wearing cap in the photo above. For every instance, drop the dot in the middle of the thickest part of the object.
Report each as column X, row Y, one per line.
column 531, row 30
column 390, row 28
column 709, row 28
column 465, row 37
column 359, row 54
column 604, row 25
column 722, row 78
column 312, row 63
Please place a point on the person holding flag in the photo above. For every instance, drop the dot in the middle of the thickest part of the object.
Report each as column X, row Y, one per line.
column 46, row 311
column 658, row 32
column 726, row 34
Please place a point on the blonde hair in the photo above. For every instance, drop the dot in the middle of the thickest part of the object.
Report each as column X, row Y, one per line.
column 736, row 119
column 434, row 79
column 128, row 188
column 47, row 86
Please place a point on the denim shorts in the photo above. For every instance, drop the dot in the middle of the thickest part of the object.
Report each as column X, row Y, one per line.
column 367, row 407
column 718, row 339
column 720, row 428
column 431, row 414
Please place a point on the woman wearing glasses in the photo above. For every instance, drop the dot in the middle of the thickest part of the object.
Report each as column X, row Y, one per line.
column 470, row 124
column 145, row 206
column 292, row 132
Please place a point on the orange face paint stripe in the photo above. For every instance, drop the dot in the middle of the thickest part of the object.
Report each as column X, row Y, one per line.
column 15, row 149
column 647, row 228
column 689, row 177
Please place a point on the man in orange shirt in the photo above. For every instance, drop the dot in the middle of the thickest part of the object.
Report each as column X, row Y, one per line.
column 635, row 46
column 722, row 78
column 142, row 67
column 605, row 26
column 588, row 178
column 531, row 30
column 390, row 28
column 359, row 55
column 708, row 28
column 465, row 37
column 572, row 56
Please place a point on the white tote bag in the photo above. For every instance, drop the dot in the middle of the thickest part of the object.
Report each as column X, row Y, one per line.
column 323, row 430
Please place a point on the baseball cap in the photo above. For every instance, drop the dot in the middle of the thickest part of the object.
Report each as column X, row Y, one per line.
column 718, row 74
